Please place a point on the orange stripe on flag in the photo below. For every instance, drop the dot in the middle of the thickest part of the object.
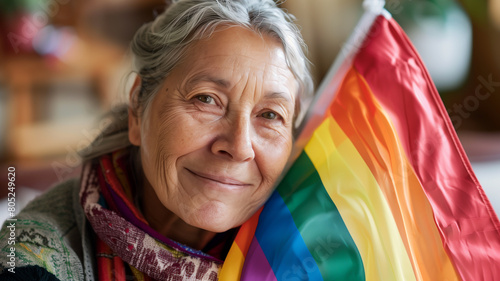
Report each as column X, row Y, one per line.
column 247, row 231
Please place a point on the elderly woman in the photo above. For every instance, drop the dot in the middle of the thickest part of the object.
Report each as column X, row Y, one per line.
column 195, row 154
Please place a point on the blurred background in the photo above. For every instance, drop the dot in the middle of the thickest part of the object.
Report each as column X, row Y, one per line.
column 62, row 65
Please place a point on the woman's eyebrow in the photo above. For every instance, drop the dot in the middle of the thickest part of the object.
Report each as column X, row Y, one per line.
column 203, row 77
column 278, row 95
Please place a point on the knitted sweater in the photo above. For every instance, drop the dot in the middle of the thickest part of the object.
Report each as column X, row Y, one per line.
column 51, row 232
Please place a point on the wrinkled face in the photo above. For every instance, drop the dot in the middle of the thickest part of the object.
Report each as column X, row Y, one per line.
column 218, row 134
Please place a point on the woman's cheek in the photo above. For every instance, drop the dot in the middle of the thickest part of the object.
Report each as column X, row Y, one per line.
column 275, row 142
column 274, row 155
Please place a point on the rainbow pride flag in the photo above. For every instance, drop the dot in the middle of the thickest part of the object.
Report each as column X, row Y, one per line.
column 382, row 189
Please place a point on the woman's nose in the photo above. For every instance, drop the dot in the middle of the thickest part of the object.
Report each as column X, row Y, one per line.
column 235, row 141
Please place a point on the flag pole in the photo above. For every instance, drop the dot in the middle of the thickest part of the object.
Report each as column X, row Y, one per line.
column 328, row 87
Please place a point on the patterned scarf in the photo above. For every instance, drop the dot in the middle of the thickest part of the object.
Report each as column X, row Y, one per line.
column 126, row 245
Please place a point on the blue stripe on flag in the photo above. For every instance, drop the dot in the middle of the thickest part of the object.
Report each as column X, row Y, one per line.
column 289, row 258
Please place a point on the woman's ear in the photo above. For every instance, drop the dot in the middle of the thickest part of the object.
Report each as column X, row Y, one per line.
column 134, row 124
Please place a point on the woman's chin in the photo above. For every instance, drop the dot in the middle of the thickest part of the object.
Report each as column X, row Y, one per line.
column 215, row 219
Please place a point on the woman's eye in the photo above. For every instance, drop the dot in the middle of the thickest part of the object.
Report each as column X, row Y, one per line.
column 205, row 99
column 269, row 115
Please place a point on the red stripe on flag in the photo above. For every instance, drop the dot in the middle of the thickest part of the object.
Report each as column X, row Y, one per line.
column 468, row 225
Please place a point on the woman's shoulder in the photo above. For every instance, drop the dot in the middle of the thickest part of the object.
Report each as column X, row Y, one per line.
column 56, row 204
column 45, row 233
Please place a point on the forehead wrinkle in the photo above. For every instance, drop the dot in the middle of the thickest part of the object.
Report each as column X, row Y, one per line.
column 236, row 58
column 249, row 86
column 254, row 81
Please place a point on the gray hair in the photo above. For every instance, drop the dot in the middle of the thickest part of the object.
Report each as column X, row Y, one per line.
column 158, row 46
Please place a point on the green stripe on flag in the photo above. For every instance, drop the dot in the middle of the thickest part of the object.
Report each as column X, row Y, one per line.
column 319, row 223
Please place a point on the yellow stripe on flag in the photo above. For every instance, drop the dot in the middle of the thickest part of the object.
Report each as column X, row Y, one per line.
column 361, row 203
column 233, row 264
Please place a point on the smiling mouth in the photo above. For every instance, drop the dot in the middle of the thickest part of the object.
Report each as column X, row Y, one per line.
column 220, row 180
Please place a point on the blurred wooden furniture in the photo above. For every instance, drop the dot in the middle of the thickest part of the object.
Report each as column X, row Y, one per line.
column 55, row 101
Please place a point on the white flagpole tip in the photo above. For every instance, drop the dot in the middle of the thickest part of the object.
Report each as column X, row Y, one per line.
column 374, row 5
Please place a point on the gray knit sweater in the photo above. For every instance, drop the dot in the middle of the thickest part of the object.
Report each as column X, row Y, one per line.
column 51, row 232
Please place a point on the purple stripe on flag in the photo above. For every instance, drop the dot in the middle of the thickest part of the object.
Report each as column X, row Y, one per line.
column 259, row 268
